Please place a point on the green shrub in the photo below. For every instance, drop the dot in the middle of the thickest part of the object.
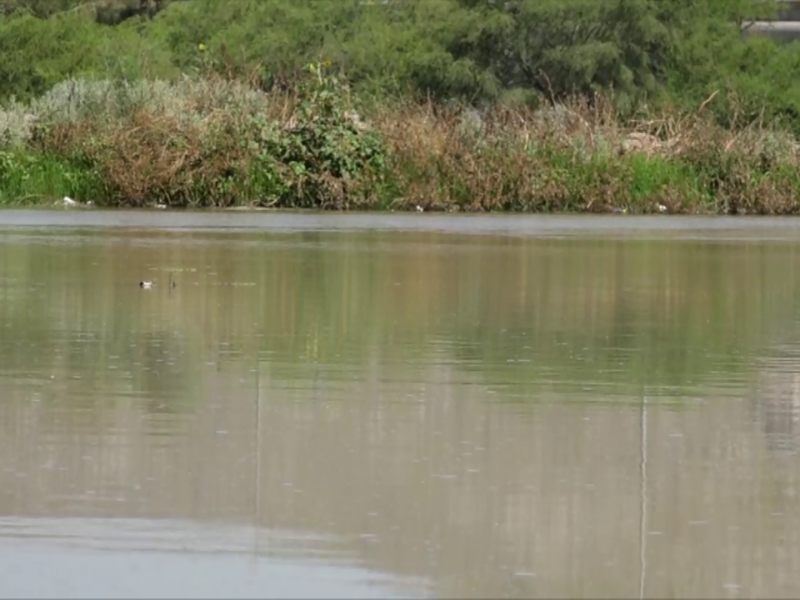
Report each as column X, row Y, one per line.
column 322, row 156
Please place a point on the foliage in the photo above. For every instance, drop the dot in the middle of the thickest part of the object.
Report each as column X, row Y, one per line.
column 217, row 143
column 104, row 11
column 207, row 142
column 323, row 156
column 212, row 103
column 27, row 178
column 645, row 53
column 38, row 54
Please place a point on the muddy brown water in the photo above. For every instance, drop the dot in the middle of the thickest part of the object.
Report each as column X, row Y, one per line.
column 398, row 406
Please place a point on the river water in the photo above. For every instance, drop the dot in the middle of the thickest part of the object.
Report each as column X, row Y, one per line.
column 398, row 406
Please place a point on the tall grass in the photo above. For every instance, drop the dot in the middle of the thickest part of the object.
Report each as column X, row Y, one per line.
column 30, row 178
column 212, row 142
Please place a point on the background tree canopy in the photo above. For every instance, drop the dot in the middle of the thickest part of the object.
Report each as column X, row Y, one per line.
column 645, row 53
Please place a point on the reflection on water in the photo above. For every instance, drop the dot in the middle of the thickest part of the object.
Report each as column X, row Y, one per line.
column 96, row 558
column 397, row 413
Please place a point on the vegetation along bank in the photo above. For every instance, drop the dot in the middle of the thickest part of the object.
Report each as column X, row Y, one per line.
column 458, row 105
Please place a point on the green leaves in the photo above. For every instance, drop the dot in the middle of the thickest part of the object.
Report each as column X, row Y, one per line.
column 644, row 53
column 323, row 155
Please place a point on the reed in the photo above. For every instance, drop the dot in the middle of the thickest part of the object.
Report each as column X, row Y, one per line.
column 215, row 143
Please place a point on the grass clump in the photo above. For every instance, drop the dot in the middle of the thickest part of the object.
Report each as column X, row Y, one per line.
column 29, row 178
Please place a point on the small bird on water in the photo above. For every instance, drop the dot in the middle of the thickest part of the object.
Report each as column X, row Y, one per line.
column 148, row 285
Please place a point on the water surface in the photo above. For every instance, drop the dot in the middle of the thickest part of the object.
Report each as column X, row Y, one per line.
column 404, row 406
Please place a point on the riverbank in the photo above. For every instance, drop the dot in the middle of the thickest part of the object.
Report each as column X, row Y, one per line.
column 213, row 143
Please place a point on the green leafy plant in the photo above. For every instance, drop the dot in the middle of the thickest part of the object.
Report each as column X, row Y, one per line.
column 324, row 154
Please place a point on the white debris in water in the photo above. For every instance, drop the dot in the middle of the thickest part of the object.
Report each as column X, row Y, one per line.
column 420, row 209
column 67, row 201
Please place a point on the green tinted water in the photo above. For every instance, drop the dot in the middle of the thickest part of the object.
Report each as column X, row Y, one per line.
column 458, row 411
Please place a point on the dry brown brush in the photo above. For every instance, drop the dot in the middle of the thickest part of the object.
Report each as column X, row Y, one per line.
column 205, row 144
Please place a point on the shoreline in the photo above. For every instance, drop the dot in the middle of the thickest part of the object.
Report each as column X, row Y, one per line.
column 685, row 228
column 221, row 145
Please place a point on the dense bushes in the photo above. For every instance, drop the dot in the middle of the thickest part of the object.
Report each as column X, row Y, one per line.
column 438, row 104
column 211, row 142
column 646, row 53
column 197, row 142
